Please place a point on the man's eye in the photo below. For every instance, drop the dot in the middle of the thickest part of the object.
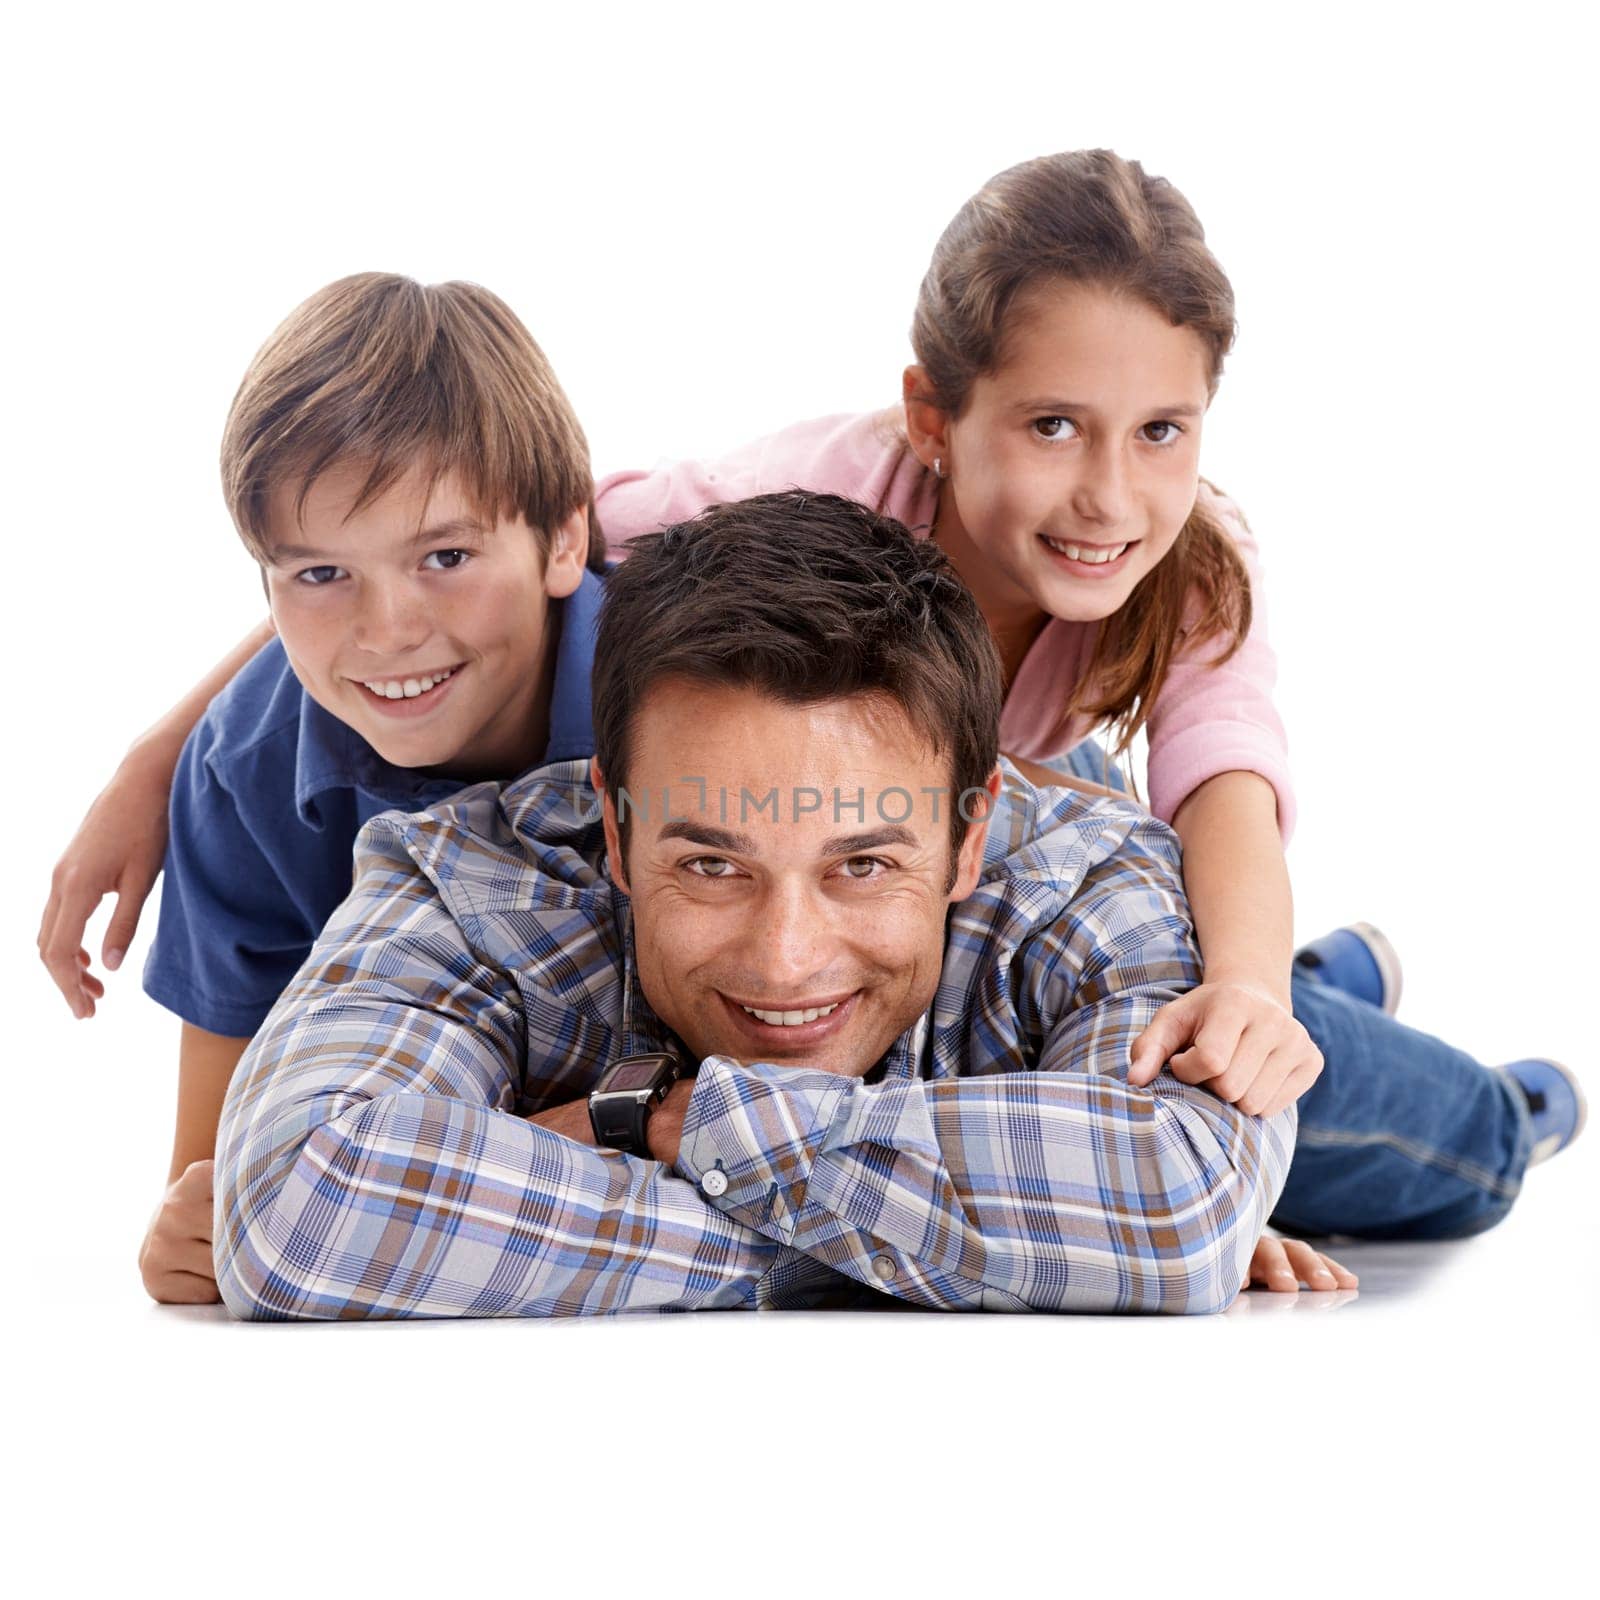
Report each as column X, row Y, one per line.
column 447, row 560
column 871, row 863
column 701, row 866
column 1053, row 427
column 316, row 577
column 1169, row 436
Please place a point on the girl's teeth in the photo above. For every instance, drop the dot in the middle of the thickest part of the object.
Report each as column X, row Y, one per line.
column 790, row 1019
column 408, row 688
column 1094, row 558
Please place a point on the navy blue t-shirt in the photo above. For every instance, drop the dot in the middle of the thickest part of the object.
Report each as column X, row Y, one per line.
column 269, row 796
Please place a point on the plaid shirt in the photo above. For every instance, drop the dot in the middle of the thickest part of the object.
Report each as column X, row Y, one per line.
column 374, row 1157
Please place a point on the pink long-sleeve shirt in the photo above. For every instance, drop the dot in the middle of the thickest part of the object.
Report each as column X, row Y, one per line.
column 1208, row 719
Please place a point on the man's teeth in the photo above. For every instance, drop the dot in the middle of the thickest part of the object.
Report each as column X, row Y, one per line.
column 1083, row 552
column 790, row 1019
column 407, row 688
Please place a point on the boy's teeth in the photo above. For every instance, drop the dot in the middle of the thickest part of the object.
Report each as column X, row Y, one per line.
column 790, row 1019
column 407, row 688
column 1075, row 552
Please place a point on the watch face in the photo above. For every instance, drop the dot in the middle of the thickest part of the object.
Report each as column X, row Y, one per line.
column 641, row 1074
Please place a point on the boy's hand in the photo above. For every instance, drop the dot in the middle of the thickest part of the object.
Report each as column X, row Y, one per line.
column 1284, row 1264
column 1237, row 1040
column 175, row 1259
column 118, row 850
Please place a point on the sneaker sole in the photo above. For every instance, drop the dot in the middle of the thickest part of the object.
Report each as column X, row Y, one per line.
column 1555, row 1144
column 1388, row 960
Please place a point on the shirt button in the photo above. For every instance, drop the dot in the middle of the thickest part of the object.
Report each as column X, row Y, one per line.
column 883, row 1269
column 714, row 1182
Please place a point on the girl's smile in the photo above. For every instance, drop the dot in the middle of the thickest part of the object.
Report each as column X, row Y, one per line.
column 1093, row 561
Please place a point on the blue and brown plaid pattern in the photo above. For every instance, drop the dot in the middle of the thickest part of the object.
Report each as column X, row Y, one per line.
column 374, row 1159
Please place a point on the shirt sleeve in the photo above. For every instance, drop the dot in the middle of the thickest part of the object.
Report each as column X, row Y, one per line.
column 229, row 935
column 371, row 1162
column 1212, row 718
column 631, row 503
column 860, row 456
column 1063, row 1188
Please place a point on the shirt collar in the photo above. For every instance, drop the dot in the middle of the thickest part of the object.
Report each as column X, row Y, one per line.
column 571, row 724
column 329, row 754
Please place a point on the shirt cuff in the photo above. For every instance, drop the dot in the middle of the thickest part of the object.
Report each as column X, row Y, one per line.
column 750, row 1137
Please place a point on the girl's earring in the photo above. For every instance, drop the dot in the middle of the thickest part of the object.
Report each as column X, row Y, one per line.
column 938, row 466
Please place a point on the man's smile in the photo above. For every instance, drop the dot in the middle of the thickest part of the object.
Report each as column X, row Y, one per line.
column 813, row 1022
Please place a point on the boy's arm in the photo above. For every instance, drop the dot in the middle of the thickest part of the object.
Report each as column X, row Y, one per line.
column 205, row 1067
column 175, row 1258
column 372, row 1162
column 1065, row 1188
column 119, row 844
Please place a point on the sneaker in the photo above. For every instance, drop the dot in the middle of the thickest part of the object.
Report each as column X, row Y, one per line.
column 1555, row 1101
column 1358, row 960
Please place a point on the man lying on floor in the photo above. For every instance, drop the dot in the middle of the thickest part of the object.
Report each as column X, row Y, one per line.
column 890, row 1044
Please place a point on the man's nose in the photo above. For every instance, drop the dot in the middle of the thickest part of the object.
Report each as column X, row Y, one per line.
column 791, row 941
column 392, row 618
column 1102, row 492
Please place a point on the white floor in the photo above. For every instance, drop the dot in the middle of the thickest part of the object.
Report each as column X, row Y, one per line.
column 1438, row 1426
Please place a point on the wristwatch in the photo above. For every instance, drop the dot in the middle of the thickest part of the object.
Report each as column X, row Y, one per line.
column 621, row 1103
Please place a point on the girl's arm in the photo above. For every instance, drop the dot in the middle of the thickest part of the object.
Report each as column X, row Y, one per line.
column 1047, row 777
column 1236, row 1033
column 119, row 845
column 1238, row 883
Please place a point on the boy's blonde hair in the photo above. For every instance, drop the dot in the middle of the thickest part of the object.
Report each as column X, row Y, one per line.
column 383, row 371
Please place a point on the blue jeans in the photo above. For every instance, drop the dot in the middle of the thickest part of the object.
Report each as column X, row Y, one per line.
column 1401, row 1136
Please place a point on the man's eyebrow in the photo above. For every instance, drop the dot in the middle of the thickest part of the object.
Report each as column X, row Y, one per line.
column 1054, row 408
column 735, row 844
column 854, row 844
column 434, row 533
column 741, row 844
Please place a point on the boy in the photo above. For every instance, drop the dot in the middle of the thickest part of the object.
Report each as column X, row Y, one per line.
column 403, row 465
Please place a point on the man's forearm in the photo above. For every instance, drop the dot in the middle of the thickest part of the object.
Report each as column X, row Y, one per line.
column 426, row 1205
column 1135, row 1200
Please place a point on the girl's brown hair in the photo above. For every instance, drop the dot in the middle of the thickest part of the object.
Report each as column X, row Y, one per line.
column 1088, row 216
column 381, row 370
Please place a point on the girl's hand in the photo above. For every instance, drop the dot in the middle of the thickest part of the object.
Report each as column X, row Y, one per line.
column 1235, row 1038
column 1284, row 1264
column 118, row 850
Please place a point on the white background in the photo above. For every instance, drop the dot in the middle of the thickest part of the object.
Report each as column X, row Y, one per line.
column 715, row 221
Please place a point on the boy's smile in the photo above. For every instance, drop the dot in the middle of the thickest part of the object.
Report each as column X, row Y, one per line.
column 411, row 696
column 418, row 621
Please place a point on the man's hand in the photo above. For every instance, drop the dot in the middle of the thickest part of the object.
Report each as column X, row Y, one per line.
column 1284, row 1264
column 175, row 1259
column 1237, row 1040
column 571, row 1121
column 663, row 1130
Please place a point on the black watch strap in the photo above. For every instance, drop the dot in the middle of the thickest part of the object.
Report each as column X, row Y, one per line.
column 621, row 1103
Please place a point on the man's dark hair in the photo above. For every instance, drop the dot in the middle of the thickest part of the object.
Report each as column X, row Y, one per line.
column 806, row 598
